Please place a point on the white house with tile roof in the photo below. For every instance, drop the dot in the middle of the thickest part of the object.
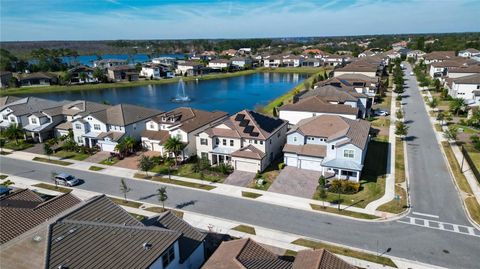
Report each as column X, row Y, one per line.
column 248, row 140
column 331, row 144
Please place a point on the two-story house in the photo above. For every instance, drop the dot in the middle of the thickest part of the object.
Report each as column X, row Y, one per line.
column 464, row 87
column 82, row 74
column 273, row 61
column 292, row 61
column 105, row 128
column 469, row 53
column 122, row 73
column 248, row 140
column 219, row 64
column 360, row 83
column 332, row 144
column 184, row 123
column 241, row 62
column 17, row 112
column 106, row 63
column 189, row 68
column 151, row 71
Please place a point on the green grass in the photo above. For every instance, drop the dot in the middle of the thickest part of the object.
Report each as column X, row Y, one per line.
column 52, row 187
column 46, row 160
column 125, row 203
column 342, row 212
column 467, row 129
column 71, row 155
column 438, row 128
column 399, row 161
column 473, row 208
column 473, row 153
column 345, row 251
column 455, row 166
column 186, row 170
column 177, row 182
column 95, row 168
column 268, row 176
column 245, row 229
column 3, row 176
column 381, row 122
column 110, row 161
column 22, row 144
column 156, row 209
column 251, row 194
column 396, row 206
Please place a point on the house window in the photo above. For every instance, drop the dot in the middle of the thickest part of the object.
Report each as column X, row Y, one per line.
column 5, row 117
column 12, row 119
column 203, row 141
column 96, row 126
column 168, row 257
column 89, row 118
column 204, row 155
column 217, row 141
column 179, row 136
column 78, row 126
column 79, row 139
column 349, row 173
column 34, row 120
column 231, row 143
column 333, row 146
column 294, row 139
column 349, row 153
column 224, row 142
column 261, row 142
column 255, row 141
column 152, row 126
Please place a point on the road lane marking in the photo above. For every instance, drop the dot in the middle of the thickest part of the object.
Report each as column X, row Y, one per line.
column 442, row 226
column 425, row 215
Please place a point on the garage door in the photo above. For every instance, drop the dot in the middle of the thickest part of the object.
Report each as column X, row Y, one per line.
column 107, row 147
column 246, row 166
column 291, row 161
column 310, row 165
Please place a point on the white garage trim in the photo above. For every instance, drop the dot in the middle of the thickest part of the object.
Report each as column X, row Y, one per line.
column 246, row 165
column 311, row 165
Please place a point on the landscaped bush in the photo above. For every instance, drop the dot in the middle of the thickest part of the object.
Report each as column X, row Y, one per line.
column 281, row 166
column 344, row 186
column 157, row 159
column 223, row 168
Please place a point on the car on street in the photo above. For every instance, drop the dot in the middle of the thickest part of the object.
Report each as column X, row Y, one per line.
column 380, row 112
column 66, row 179
column 411, row 73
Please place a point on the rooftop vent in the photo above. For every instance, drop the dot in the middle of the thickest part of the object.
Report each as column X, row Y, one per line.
column 147, row 246
column 37, row 238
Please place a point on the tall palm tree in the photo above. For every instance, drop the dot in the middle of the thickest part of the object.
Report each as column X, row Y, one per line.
column 175, row 146
column 121, row 148
column 129, row 143
column 457, row 105
column 162, row 195
column 14, row 131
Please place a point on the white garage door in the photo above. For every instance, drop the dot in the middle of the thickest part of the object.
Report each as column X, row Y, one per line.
column 246, row 166
column 107, row 147
column 291, row 161
column 310, row 165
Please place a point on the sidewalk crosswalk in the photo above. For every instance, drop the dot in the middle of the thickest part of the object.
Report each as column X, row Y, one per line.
column 438, row 225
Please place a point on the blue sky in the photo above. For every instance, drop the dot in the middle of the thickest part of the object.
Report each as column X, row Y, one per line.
column 148, row 19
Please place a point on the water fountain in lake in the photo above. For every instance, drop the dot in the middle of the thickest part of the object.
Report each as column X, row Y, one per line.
column 181, row 96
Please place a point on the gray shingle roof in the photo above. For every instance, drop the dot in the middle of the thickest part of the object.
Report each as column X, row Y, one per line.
column 471, row 79
column 331, row 93
column 316, row 104
column 124, row 114
column 31, row 105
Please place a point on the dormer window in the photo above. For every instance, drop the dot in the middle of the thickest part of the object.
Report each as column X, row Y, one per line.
column 152, row 126
column 34, row 120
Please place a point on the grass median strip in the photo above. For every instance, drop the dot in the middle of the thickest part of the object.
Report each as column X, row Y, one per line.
column 473, row 208
column 458, row 175
column 251, row 194
column 342, row 212
column 175, row 182
column 399, row 161
column 396, row 206
column 245, row 229
column 157, row 209
column 125, row 202
column 345, row 251
column 52, row 187
column 95, row 168
column 46, row 160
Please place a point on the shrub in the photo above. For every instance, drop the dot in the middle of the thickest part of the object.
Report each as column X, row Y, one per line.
column 157, row 159
column 398, row 98
column 224, row 169
column 344, row 186
column 281, row 166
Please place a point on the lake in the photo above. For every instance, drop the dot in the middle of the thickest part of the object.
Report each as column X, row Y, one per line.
column 135, row 58
column 228, row 94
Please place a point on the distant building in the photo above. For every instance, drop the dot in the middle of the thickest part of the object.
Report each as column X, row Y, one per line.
column 122, row 73
column 37, row 79
column 106, row 63
column 438, row 56
column 5, row 77
column 169, row 61
column 82, row 74
column 189, row 68
column 469, row 53
column 151, row 71
column 219, row 64
column 241, row 62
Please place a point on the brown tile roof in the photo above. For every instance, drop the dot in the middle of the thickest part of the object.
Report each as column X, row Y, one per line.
column 248, row 124
column 161, row 135
column 471, row 79
column 454, row 62
column 306, row 150
column 124, row 114
column 249, row 152
column 316, row 104
column 333, row 127
column 331, row 93
column 114, row 136
column 319, row 259
column 465, row 69
column 358, row 67
column 189, row 118
column 244, row 254
column 439, row 55
column 64, row 126
column 23, row 210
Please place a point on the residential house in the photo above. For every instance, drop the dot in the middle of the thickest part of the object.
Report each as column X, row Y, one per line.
column 464, row 87
column 208, row 55
column 292, row 61
column 241, row 62
column 334, row 60
column 247, row 254
column 151, row 71
column 367, row 53
column 415, row 54
column 440, row 69
column 18, row 111
column 122, row 73
column 400, row 45
column 393, row 54
column 190, row 68
column 107, row 63
column 93, row 227
column 248, row 140
column 168, row 61
column 41, row 123
column 37, row 79
column 244, row 51
column 469, row 53
column 5, row 78
column 229, row 52
column 360, row 67
column 331, row 144
column 273, row 61
column 184, row 123
column 311, row 62
column 438, row 56
column 219, row 64
column 105, row 128
column 462, row 71
column 360, row 83
column 82, row 74
column 5, row 100
column 314, row 106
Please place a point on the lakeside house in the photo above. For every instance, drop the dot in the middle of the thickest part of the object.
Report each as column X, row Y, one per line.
column 189, row 68
column 122, row 73
column 334, row 60
column 107, row 63
column 184, row 123
column 82, row 74
column 331, row 144
column 273, row 61
column 311, row 62
column 151, row 71
column 292, row 61
column 241, row 62
column 247, row 140
column 5, row 78
column 36, row 79
column 219, row 64
column 168, row 61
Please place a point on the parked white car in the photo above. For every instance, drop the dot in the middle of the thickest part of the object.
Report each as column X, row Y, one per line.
column 381, row 113
column 66, row 179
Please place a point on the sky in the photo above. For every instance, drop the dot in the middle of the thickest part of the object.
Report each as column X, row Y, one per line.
column 32, row 20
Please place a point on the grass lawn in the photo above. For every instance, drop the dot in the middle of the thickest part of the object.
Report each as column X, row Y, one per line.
column 52, row 187
column 161, row 210
column 381, row 122
column 186, row 170
column 181, row 183
column 399, row 161
column 459, row 177
column 245, row 229
column 384, row 103
column 373, row 178
column 251, row 194
column 71, row 155
column 95, row 168
column 345, row 251
column 125, row 203
column 109, row 161
column 467, row 129
column 268, row 176
column 473, row 208
column 46, row 160
column 22, row 144
column 438, row 128
column 473, row 153
column 3, row 176
column 396, row 206
column 342, row 212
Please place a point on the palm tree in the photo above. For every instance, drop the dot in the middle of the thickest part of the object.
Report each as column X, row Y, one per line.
column 162, row 195
column 47, row 150
column 121, row 148
column 175, row 146
column 14, row 131
column 2, row 145
column 124, row 188
column 401, row 129
column 129, row 143
column 457, row 105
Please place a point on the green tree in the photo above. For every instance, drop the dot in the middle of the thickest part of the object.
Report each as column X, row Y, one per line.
column 399, row 114
column 99, row 75
column 322, row 195
column 145, row 164
column 83, row 76
column 441, row 117
column 401, row 129
column 2, row 145
column 124, row 188
column 121, row 148
column 321, row 181
column 433, row 103
column 451, row 133
column 129, row 143
column 14, row 131
column 47, row 150
column 457, row 105
column 162, row 195
column 175, row 146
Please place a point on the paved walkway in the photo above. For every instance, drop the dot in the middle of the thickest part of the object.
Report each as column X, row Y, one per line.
column 296, row 182
column 263, row 235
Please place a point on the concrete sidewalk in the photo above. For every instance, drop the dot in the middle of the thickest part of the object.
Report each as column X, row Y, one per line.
column 234, row 191
column 263, row 235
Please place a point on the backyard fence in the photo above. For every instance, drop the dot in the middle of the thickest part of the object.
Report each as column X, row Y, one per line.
column 470, row 162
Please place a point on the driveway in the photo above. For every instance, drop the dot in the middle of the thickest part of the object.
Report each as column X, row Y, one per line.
column 296, row 182
column 131, row 162
column 239, row 178
column 98, row 157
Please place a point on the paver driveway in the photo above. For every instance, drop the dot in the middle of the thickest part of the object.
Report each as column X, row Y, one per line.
column 239, row 178
column 296, row 182
column 131, row 162
column 98, row 157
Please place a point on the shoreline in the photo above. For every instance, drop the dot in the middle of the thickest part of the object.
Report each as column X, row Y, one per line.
column 102, row 86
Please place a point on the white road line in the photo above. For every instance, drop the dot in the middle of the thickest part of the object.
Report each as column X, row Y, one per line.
column 425, row 215
column 426, row 224
column 471, row 231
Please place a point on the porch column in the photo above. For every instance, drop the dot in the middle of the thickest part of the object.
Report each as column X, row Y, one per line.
column 40, row 139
